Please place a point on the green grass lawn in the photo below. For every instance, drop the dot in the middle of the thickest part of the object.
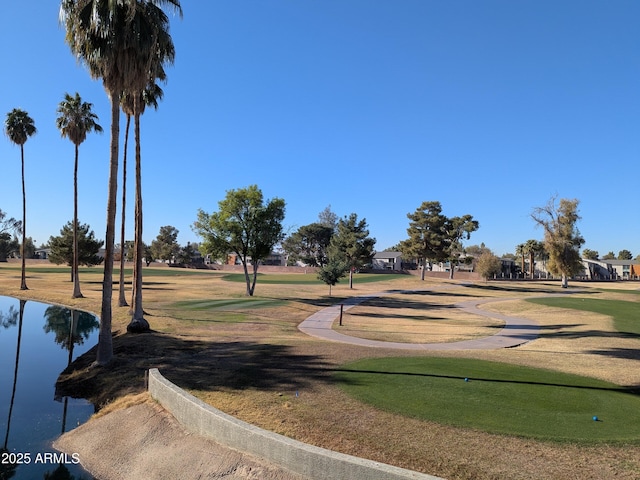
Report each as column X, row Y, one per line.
column 497, row 398
column 310, row 278
column 625, row 314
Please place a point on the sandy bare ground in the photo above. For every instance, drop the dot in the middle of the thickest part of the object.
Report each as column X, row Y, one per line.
column 146, row 442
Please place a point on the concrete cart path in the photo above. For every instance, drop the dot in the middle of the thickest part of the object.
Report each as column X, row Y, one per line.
column 516, row 331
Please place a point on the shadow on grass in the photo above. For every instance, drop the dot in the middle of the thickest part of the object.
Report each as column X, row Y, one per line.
column 435, row 293
column 388, row 302
column 632, row 390
column 191, row 364
column 589, row 333
column 522, row 289
column 398, row 316
column 623, row 353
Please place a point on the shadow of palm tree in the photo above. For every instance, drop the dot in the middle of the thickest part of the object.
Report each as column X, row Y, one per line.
column 191, row 364
column 633, row 390
column 623, row 353
column 522, row 289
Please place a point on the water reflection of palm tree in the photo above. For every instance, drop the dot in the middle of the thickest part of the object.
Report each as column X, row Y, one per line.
column 70, row 327
column 15, row 374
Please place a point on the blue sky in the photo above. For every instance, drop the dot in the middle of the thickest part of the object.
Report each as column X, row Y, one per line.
column 370, row 106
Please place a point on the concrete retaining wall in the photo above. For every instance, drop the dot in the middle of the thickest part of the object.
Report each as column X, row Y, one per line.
column 312, row 462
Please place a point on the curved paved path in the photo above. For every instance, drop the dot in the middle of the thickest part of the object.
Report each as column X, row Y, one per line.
column 516, row 331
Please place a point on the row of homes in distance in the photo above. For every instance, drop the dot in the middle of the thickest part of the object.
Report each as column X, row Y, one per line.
column 593, row 269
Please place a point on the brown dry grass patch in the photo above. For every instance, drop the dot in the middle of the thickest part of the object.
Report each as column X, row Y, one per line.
column 252, row 368
column 416, row 318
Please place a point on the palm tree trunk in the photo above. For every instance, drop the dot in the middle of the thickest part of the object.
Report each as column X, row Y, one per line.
column 23, row 276
column 531, row 269
column 138, row 323
column 105, row 342
column 74, row 267
column 122, row 301
column 15, row 373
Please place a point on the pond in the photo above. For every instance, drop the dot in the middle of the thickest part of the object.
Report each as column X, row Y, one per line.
column 37, row 342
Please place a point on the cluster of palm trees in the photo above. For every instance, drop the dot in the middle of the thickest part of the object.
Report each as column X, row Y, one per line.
column 531, row 249
column 126, row 44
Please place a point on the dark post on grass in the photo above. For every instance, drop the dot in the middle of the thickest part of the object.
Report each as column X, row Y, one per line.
column 341, row 308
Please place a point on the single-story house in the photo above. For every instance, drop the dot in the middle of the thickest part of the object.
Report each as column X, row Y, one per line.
column 387, row 261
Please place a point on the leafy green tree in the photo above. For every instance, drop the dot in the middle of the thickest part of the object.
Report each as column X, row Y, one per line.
column 9, row 227
column 185, row 254
column 332, row 272
column 488, row 265
column 309, row 244
column 88, row 247
column 148, row 254
column 427, row 232
column 328, row 218
column 165, row 247
column 106, row 35
column 9, row 245
column 625, row 255
column 562, row 239
column 458, row 229
column 590, row 254
column 19, row 126
column 29, row 248
column 351, row 244
column 476, row 250
column 245, row 225
column 149, row 257
column 609, row 256
column 75, row 119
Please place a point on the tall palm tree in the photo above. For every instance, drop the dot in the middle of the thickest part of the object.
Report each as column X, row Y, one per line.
column 127, row 105
column 532, row 248
column 149, row 97
column 521, row 251
column 75, row 119
column 19, row 127
column 94, row 32
column 153, row 24
column 103, row 35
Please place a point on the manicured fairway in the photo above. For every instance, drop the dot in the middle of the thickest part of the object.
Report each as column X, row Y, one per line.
column 228, row 304
column 625, row 314
column 497, row 398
